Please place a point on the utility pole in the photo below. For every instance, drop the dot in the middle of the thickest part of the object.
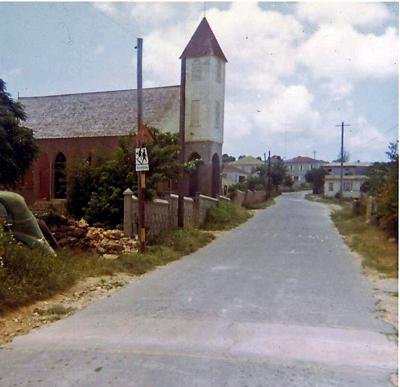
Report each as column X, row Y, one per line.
column 141, row 176
column 341, row 158
column 269, row 174
column 314, row 154
column 265, row 168
column 181, row 187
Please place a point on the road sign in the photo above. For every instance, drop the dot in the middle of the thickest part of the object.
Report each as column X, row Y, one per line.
column 142, row 160
column 143, row 135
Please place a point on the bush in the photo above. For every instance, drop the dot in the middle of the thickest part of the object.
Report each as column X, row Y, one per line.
column 95, row 192
column 225, row 216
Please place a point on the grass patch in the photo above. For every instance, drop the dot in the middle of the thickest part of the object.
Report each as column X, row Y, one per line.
column 225, row 216
column 26, row 275
column 367, row 240
column 324, row 199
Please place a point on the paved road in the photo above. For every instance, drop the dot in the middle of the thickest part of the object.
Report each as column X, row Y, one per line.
column 279, row 301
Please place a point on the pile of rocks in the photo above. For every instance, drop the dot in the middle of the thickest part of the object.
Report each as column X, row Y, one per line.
column 79, row 234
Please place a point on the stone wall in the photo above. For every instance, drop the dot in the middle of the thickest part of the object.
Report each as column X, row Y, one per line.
column 162, row 215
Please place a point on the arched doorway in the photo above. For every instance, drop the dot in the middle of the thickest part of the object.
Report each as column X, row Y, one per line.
column 60, row 177
column 216, row 171
column 194, row 176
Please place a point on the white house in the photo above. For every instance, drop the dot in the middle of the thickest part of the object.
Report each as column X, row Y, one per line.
column 300, row 165
column 354, row 175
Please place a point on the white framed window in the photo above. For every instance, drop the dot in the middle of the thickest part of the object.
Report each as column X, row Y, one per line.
column 195, row 113
column 330, row 186
column 196, row 70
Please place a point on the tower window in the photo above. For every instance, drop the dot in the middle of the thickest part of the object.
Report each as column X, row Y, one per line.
column 217, row 114
column 195, row 113
column 219, row 71
column 196, row 70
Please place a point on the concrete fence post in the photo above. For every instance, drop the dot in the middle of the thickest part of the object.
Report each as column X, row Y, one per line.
column 128, row 231
column 196, row 210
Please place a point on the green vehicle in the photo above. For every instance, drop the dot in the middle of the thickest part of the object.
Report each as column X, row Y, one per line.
column 17, row 217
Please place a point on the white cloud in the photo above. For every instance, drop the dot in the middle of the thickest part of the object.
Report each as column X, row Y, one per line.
column 357, row 14
column 106, row 7
column 277, row 71
column 341, row 51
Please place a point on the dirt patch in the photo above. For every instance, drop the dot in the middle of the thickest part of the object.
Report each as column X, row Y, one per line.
column 24, row 319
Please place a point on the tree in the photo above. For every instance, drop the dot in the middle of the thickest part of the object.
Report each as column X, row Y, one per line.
column 241, row 157
column 316, row 178
column 346, row 157
column 227, row 158
column 383, row 185
column 95, row 191
column 278, row 173
column 18, row 148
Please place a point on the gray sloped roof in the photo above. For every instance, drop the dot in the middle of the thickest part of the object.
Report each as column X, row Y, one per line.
column 108, row 113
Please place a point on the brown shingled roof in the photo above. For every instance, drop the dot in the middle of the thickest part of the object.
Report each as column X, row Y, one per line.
column 203, row 43
column 108, row 113
column 304, row 159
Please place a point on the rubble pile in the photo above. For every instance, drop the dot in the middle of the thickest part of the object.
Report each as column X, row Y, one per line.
column 79, row 234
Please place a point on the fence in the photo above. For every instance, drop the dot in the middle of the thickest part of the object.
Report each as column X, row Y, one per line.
column 162, row 214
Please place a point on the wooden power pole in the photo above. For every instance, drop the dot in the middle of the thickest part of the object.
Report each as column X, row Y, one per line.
column 141, row 176
column 341, row 158
column 181, row 186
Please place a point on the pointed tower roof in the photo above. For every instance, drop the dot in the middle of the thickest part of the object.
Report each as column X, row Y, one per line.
column 203, row 43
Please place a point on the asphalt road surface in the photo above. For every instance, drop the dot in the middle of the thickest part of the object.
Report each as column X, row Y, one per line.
column 279, row 301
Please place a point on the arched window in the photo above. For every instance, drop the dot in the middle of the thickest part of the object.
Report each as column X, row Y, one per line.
column 196, row 70
column 60, row 176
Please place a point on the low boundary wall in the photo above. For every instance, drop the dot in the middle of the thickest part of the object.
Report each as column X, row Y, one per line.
column 162, row 214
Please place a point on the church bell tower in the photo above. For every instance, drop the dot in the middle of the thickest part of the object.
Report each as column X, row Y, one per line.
column 204, row 109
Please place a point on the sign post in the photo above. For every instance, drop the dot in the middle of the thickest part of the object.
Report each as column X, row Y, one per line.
column 140, row 151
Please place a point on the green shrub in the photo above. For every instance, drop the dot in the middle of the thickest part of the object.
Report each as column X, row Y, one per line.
column 95, row 191
column 225, row 216
column 185, row 241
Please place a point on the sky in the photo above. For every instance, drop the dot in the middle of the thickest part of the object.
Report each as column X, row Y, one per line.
column 295, row 70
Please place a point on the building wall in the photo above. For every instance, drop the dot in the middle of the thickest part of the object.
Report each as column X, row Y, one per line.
column 202, row 85
column 38, row 182
column 300, row 170
column 351, row 186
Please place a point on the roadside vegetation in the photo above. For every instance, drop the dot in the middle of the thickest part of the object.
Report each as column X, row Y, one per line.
column 225, row 216
column 370, row 242
column 378, row 250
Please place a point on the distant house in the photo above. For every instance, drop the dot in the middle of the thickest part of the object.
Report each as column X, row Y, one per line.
column 354, row 175
column 248, row 164
column 300, row 165
column 232, row 175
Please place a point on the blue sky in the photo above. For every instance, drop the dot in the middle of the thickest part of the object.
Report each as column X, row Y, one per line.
column 295, row 70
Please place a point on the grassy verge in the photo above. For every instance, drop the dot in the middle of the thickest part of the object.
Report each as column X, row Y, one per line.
column 225, row 216
column 367, row 240
column 27, row 276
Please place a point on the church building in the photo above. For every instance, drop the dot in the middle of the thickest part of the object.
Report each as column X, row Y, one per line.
column 72, row 125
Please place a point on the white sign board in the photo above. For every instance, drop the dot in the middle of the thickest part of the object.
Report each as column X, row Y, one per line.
column 142, row 160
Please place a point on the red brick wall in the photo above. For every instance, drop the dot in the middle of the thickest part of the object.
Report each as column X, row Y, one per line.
column 37, row 184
